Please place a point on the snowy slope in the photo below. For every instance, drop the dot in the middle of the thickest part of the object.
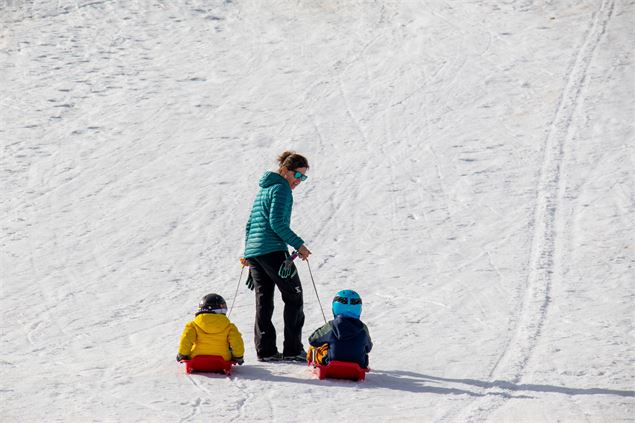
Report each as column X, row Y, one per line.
column 471, row 176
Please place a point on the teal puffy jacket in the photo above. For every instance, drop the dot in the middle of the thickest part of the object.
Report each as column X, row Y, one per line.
column 268, row 226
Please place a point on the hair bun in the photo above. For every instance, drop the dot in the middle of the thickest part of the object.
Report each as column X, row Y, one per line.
column 284, row 156
column 292, row 160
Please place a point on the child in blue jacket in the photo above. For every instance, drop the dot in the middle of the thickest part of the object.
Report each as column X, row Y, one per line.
column 346, row 337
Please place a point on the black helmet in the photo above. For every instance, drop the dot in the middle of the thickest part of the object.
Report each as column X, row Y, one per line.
column 212, row 303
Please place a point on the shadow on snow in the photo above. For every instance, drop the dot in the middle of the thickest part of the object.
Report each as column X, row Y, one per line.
column 416, row 382
column 405, row 380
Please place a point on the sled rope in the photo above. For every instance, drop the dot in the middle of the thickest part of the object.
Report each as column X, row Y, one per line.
column 236, row 293
column 315, row 289
column 312, row 281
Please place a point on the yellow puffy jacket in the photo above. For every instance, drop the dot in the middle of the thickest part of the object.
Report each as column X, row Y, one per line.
column 211, row 334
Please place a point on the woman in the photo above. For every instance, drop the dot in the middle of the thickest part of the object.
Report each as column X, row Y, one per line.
column 266, row 239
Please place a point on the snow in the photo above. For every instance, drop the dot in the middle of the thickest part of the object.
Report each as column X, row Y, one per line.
column 471, row 176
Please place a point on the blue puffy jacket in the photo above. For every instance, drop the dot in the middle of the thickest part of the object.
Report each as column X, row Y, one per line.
column 268, row 226
column 348, row 340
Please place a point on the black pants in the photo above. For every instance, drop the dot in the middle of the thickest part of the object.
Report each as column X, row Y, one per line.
column 264, row 271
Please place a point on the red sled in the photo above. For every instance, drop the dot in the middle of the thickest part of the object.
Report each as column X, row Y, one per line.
column 208, row 363
column 341, row 370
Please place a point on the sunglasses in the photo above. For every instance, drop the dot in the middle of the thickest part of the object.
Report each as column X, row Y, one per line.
column 345, row 300
column 299, row 175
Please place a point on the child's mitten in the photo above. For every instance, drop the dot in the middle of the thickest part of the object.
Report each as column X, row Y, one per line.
column 181, row 357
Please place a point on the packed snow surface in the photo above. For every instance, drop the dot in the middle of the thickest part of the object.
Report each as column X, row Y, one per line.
column 471, row 177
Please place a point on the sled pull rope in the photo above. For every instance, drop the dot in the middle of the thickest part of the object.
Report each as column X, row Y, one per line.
column 236, row 293
column 315, row 289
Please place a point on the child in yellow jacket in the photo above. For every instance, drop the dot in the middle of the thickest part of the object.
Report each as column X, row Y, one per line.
column 211, row 333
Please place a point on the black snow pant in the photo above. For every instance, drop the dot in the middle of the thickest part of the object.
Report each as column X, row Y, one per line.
column 264, row 271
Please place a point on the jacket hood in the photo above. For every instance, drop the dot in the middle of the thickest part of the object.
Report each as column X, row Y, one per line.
column 271, row 178
column 211, row 323
column 347, row 327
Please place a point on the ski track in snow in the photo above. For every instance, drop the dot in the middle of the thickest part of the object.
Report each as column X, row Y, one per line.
column 543, row 266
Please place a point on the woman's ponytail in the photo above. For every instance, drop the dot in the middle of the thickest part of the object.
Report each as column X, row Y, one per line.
column 292, row 160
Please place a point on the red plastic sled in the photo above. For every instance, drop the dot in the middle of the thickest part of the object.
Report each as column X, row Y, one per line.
column 208, row 363
column 341, row 370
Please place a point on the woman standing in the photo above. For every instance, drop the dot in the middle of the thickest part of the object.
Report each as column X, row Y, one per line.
column 267, row 235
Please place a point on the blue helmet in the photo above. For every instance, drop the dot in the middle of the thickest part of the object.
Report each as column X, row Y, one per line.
column 347, row 303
